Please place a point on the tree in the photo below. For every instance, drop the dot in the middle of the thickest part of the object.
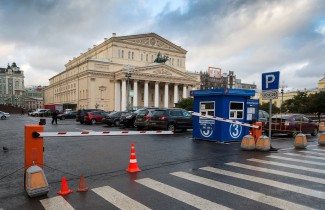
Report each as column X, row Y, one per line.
column 298, row 104
column 316, row 104
column 186, row 103
column 266, row 107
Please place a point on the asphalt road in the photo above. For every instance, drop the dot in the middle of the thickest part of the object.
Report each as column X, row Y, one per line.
column 177, row 172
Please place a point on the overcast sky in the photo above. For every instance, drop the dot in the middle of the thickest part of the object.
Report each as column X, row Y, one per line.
column 248, row 37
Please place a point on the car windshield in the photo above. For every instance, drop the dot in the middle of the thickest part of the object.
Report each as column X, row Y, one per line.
column 143, row 112
column 284, row 117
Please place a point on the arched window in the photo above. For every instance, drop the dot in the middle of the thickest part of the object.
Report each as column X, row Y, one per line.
column 151, row 58
column 132, row 55
column 147, row 57
column 141, row 57
column 129, row 55
column 122, row 53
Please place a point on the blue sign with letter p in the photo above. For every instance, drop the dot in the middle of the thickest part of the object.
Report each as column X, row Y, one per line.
column 270, row 81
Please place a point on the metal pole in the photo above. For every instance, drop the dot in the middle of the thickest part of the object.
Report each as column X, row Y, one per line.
column 270, row 119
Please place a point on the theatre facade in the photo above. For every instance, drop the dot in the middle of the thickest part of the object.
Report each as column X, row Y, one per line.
column 121, row 73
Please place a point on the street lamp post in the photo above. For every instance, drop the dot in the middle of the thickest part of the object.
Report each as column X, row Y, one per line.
column 128, row 75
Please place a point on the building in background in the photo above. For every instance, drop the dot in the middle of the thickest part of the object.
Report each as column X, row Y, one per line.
column 12, row 86
column 321, row 84
column 34, row 97
column 222, row 81
column 124, row 72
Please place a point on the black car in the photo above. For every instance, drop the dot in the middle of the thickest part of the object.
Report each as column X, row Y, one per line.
column 113, row 118
column 171, row 119
column 142, row 119
column 81, row 113
column 128, row 119
column 69, row 115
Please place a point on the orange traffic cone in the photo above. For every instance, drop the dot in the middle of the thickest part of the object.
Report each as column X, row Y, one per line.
column 82, row 185
column 133, row 166
column 64, row 188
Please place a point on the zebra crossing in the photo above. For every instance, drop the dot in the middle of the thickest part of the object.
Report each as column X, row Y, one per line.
column 302, row 171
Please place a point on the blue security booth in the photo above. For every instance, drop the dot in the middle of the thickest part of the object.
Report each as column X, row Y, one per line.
column 232, row 104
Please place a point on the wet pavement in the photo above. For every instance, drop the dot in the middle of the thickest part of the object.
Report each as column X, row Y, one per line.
column 177, row 171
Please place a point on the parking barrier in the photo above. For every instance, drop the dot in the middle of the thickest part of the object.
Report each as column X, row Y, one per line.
column 321, row 140
column 300, row 141
column 263, row 144
column 248, row 143
column 98, row 133
column 225, row 120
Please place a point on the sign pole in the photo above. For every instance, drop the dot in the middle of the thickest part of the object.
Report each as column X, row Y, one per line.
column 270, row 120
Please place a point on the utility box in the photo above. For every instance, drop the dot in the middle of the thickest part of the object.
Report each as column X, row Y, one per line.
column 232, row 104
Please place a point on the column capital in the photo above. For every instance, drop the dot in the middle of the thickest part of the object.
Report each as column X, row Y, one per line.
column 157, row 82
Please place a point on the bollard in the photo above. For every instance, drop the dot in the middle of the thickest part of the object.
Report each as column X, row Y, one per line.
column 300, row 141
column 321, row 140
column 33, row 146
column 248, row 143
column 321, row 127
column 42, row 122
column 263, row 144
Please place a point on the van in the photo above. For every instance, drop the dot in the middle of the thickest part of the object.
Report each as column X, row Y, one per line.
column 40, row 112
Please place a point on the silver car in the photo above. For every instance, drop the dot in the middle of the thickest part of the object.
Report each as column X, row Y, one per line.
column 4, row 115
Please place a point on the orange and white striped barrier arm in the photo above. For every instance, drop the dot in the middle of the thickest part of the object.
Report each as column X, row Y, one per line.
column 224, row 120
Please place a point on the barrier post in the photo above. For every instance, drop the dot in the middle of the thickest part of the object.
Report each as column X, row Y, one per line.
column 33, row 146
column 257, row 132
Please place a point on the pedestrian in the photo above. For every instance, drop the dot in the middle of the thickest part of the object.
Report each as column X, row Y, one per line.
column 55, row 117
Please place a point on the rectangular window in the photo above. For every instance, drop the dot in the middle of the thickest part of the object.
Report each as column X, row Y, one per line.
column 207, row 107
column 236, row 110
column 141, row 57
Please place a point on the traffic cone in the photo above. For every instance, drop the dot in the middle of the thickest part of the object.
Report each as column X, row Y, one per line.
column 64, row 188
column 82, row 185
column 133, row 166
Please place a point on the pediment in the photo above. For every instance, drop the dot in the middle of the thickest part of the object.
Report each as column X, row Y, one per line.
column 162, row 70
column 152, row 40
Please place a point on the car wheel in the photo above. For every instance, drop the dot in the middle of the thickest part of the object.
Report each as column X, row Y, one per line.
column 184, row 129
column 117, row 123
column 62, row 118
column 93, row 121
column 139, row 128
column 171, row 127
column 294, row 132
column 3, row 117
column 315, row 132
column 36, row 115
column 82, row 122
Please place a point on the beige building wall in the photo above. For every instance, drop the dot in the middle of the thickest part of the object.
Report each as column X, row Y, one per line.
column 97, row 77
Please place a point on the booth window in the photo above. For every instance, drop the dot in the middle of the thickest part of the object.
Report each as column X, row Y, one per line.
column 207, row 108
column 236, row 110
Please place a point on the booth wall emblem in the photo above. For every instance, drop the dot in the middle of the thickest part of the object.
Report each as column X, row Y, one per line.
column 235, row 130
column 206, row 127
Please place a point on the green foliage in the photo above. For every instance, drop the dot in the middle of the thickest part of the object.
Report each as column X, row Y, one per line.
column 266, row 107
column 186, row 103
column 298, row 104
column 316, row 104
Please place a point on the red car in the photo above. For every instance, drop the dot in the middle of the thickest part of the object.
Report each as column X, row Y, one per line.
column 94, row 117
column 292, row 124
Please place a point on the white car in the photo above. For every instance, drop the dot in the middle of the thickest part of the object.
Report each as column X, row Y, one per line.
column 4, row 115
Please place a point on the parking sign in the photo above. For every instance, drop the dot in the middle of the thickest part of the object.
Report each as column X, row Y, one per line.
column 270, row 80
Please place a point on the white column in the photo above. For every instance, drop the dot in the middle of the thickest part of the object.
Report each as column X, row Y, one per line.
column 175, row 93
column 166, row 95
column 117, row 106
column 135, row 92
column 157, row 94
column 184, row 91
column 146, row 94
column 123, row 95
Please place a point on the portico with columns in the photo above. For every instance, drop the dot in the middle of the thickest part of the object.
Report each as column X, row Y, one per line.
column 153, row 86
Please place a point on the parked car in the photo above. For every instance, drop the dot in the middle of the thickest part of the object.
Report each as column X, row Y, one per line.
column 113, row 118
column 128, row 119
column 4, row 115
column 171, row 119
column 68, row 115
column 81, row 113
column 94, row 117
column 292, row 124
column 263, row 116
column 143, row 117
column 39, row 112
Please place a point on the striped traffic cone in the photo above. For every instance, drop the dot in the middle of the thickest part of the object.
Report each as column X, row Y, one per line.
column 133, row 166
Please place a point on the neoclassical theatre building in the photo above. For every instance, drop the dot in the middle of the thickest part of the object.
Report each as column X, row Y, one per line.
column 121, row 73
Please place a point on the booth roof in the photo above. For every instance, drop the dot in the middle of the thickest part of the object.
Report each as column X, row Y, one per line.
column 223, row 91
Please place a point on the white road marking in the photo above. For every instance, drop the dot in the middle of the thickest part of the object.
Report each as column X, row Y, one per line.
column 288, row 165
column 56, row 203
column 304, row 156
column 269, row 182
column 118, row 199
column 256, row 196
column 323, row 150
column 313, row 153
column 296, row 160
column 180, row 195
column 277, row 172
